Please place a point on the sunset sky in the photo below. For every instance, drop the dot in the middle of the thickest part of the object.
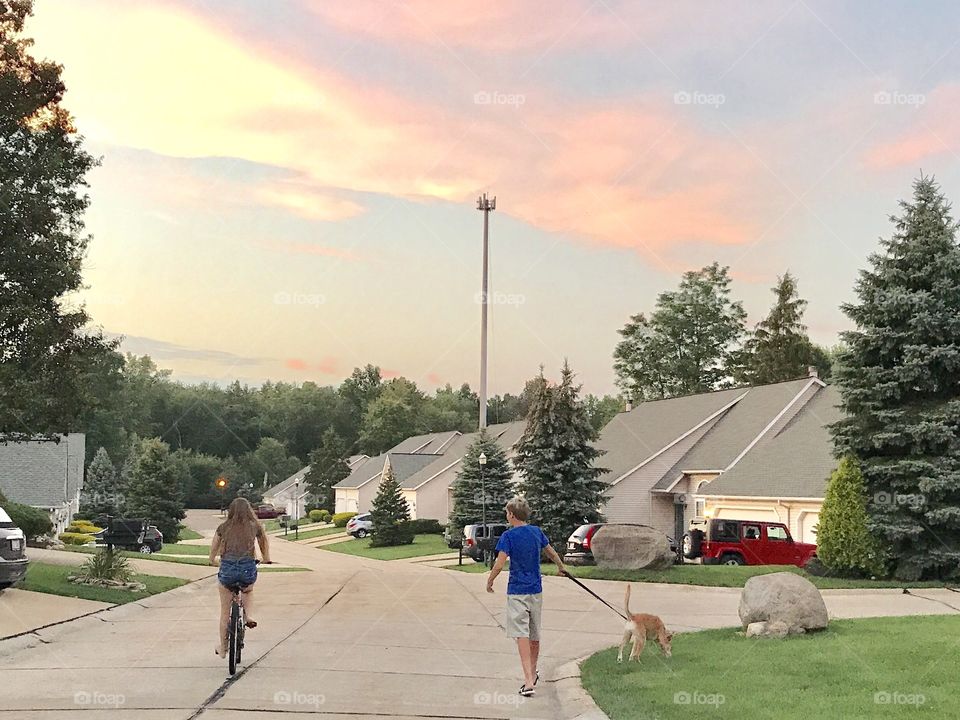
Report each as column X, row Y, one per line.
column 288, row 188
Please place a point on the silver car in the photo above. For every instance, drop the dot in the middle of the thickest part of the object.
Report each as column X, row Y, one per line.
column 13, row 552
column 360, row 525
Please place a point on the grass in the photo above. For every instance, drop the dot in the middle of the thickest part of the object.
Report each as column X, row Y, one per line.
column 178, row 549
column 188, row 534
column 422, row 545
column 52, row 579
column 267, row 568
column 269, row 525
column 307, row 534
column 152, row 556
column 875, row 668
column 711, row 575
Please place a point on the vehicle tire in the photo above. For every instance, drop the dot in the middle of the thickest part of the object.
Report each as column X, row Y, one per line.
column 233, row 639
column 692, row 542
column 361, row 533
column 145, row 549
column 732, row 559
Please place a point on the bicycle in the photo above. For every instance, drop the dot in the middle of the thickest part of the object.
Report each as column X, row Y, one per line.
column 237, row 627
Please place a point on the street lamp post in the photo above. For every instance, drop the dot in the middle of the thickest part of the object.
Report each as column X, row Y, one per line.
column 296, row 509
column 483, row 505
column 484, row 205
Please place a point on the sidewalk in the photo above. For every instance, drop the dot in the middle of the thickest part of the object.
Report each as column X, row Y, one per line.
column 22, row 611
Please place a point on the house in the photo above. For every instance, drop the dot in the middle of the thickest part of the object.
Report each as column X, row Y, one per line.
column 45, row 474
column 292, row 492
column 425, row 467
column 760, row 452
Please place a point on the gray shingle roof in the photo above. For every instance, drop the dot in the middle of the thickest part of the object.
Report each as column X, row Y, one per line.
column 796, row 463
column 364, row 472
column 405, row 465
column 37, row 472
column 287, row 482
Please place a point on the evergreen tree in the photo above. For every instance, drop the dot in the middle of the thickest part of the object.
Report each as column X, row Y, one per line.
column 152, row 488
column 494, row 483
column 390, row 514
column 328, row 466
column 899, row 379
column 101, row 493
column 779, row 348
column 557, row 461
column 844, row 544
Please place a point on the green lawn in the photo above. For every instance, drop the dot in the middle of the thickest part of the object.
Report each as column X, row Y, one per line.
column 152, row 556
column 710, row 575
column 876, row 668
column 422, row 545
column 181, row 549
column 268, row 569
column 188, row 534
column 307, row 534
column 46, row 578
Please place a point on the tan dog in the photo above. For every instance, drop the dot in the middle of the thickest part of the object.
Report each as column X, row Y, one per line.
column 642, row 627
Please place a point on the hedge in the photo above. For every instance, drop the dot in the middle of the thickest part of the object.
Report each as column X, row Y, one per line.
column 83, row 526
column 34, row 522
column 340, row 519
column 75, row 538
column 426, row 527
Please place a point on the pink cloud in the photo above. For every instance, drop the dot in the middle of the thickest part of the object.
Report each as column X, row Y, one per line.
column 434, row 379
column 931, row 131
column 328, row 366
column 296, row 364
column 388, row 374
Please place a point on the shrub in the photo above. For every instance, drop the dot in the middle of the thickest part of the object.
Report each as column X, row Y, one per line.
column 399, row 534
column 107, row 565
column 425, row 526
column 325, row 516
column 340, row 519
column 845, row 545
column 34, row 522
column 83, row 526
column 316, row 515
column 75, row 538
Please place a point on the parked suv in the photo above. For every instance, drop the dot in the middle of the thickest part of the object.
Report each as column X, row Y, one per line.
column 13, row 554
column 360, row 525
column 131, row 534
column 745, row 542
column 475, row 538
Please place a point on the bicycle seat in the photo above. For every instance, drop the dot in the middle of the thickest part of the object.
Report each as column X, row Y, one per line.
column 236, row 587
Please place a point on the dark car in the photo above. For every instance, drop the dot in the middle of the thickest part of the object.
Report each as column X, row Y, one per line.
column 580, row 552
column 476, row 539
column 268, row 512
column 131, row 534
column 13, row 554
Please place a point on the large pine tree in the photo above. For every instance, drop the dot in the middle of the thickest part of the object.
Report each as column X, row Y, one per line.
column 390, row 514
column 152, row 487
column 779, row 349
column 899, row 378
column 557, row 461
column 470, row 488
column 328, row 466
column 101, row 488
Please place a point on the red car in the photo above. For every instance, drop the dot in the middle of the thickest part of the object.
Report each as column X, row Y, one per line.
column 746, row 542
column 268, row 512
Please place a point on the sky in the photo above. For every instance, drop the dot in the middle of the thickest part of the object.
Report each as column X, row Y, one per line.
column 288, row 188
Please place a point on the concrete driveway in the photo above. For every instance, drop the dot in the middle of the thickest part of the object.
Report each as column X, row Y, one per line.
column 353, row 639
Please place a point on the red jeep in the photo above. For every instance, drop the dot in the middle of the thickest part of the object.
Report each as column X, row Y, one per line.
column 745, row 542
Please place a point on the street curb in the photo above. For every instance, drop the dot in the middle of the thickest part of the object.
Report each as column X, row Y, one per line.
column 571, row 695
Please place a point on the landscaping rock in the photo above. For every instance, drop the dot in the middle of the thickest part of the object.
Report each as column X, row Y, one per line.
column 132, row 586
column 784, row 603
column 631, row 547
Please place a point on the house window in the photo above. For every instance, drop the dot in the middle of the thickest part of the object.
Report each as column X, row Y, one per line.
column 699, row 507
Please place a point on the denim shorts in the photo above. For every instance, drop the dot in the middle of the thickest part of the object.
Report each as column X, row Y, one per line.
column 237, row 571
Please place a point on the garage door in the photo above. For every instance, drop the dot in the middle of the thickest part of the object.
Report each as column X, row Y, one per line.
column 808, row 524
column 733, row 513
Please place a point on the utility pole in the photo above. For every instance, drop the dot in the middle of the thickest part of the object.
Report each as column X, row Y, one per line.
column 485, row 205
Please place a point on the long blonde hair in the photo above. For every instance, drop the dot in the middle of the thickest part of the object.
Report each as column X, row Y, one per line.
column 240, row 519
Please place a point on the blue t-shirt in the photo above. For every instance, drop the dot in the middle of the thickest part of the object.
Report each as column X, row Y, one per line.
column 523, row 544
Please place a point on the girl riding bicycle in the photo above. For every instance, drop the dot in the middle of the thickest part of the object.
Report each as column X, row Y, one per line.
column 235, row 542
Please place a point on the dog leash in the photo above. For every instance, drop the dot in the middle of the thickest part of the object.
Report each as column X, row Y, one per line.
column 596, row 596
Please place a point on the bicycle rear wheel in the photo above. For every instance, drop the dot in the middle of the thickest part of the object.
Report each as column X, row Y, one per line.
column 241, row 631
column 233, row 639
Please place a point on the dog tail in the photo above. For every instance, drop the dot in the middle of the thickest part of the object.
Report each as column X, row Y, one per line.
column 626, row 600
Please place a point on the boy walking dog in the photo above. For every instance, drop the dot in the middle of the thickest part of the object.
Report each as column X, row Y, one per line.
column 523, row 543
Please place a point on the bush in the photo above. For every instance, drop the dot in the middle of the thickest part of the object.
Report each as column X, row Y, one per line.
column 325, row 516
column 34, row 522
column 107, row 565
column 426, row 526
column 75, row 538
column 315, row 515
column 391, row 535
column 83, row 526
column 340, row 519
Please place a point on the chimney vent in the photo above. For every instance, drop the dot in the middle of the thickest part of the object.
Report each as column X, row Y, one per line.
column 812, row 372
column 629, row 405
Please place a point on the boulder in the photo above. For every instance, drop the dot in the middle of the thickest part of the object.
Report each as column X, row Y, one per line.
column 781, row 600
column 631, row 547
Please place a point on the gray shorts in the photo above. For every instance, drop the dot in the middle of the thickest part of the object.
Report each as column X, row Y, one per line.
column 523, row 616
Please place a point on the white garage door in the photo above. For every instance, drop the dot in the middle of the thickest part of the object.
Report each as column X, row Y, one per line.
column 734, row 513
column 808, row 524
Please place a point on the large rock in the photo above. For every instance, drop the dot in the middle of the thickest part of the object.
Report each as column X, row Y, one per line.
column 631, row 547
column 779, row 600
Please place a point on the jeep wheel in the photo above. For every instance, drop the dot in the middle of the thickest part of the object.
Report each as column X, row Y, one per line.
column 732, row 559
column 691, row 544
column 146, row 549
column 361, row 533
